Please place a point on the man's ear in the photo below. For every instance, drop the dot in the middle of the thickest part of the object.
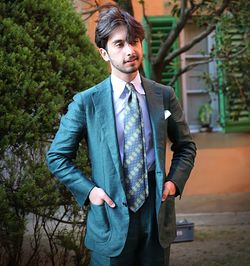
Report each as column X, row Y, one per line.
column 104, row 54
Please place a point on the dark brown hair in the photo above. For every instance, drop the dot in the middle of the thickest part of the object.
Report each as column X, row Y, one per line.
column 110, row 19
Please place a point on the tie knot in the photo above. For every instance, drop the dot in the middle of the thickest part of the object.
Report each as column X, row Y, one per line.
column 130, row 87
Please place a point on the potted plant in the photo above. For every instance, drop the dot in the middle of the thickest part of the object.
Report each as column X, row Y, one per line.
column 205, row 115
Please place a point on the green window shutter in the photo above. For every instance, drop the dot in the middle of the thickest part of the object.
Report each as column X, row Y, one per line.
column 234, row 110
column 160, row 28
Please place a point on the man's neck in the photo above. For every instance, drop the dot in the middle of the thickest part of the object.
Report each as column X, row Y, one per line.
column 126, row 77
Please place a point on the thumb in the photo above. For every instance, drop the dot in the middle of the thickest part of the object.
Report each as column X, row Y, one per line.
column 164, row 194
column 109, row 201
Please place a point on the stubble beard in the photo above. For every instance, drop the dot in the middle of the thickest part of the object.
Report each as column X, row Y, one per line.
column 127, row 69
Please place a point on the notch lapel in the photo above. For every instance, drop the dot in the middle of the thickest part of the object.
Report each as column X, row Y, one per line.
column 103, row 102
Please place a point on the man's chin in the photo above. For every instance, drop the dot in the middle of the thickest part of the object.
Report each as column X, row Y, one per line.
column 131, row 70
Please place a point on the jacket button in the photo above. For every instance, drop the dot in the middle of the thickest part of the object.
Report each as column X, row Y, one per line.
column 125, row 204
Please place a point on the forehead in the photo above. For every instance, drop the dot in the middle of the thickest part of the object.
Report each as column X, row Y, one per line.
column 119, row 33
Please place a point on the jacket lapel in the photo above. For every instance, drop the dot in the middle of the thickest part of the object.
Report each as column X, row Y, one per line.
column 105, row 114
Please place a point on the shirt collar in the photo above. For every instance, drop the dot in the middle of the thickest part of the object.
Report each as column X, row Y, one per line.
column 118, row 86
column 137, row 84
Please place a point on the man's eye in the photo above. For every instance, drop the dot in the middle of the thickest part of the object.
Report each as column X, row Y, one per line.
column 119, row 44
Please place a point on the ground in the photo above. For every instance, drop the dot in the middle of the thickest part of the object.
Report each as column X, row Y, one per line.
column 221, row 230
column 220, row 245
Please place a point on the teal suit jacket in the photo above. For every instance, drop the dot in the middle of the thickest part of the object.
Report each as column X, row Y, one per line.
column 91, row 116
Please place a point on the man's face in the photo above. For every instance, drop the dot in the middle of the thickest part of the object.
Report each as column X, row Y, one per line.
column 125, row 58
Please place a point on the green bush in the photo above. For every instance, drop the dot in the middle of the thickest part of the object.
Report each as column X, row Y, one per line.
column 45, row 58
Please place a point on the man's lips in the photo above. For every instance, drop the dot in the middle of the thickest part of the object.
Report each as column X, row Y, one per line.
column 131, row 60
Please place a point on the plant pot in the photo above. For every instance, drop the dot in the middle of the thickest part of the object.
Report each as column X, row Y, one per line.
column 206, row 128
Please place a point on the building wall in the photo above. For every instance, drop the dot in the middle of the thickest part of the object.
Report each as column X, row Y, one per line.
column 152, row 8
column 222, row 164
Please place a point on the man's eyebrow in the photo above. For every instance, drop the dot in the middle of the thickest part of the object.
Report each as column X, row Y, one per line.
column 116, row 41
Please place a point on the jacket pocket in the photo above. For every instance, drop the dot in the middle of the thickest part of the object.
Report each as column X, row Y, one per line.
column 98, row 227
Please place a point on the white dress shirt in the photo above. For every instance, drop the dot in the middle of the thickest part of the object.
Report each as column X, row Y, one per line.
column 119, row 100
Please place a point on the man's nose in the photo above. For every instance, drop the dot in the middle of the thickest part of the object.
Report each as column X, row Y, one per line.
column 129, row 48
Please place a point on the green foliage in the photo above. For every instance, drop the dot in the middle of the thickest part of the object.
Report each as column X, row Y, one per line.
column 233, row 54
column 205, row 112
column 12, row 228
column 45, row 58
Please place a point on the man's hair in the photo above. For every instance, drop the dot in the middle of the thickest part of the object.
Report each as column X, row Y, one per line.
column 110, row 19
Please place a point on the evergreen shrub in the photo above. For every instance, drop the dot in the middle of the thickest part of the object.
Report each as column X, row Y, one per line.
column 45, row 58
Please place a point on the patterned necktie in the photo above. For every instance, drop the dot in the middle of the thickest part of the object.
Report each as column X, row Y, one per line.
column 135, row 172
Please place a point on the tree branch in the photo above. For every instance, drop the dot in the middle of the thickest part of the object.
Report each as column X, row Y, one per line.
column 60, row 220
column 183, row 7
column 188, row 46
column 144, row 12
column 193, row 65
column 175, row 32
column 96, row 8
column 188, row 68
column 233, row 55
column 192, row 4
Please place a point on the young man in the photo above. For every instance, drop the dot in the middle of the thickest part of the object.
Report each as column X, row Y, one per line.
column 126, row 120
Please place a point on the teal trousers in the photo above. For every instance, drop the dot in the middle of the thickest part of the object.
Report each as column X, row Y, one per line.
column 142, row 247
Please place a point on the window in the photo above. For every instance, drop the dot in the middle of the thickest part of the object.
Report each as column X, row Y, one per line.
column 234, row 110
column 160, row 27
column 194, row 88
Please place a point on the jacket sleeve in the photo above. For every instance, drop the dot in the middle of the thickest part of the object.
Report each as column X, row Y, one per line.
column 64, row 148
column 183, row 147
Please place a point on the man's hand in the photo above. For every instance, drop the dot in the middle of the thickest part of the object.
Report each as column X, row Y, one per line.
column 97, row 196
column 168, row 190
